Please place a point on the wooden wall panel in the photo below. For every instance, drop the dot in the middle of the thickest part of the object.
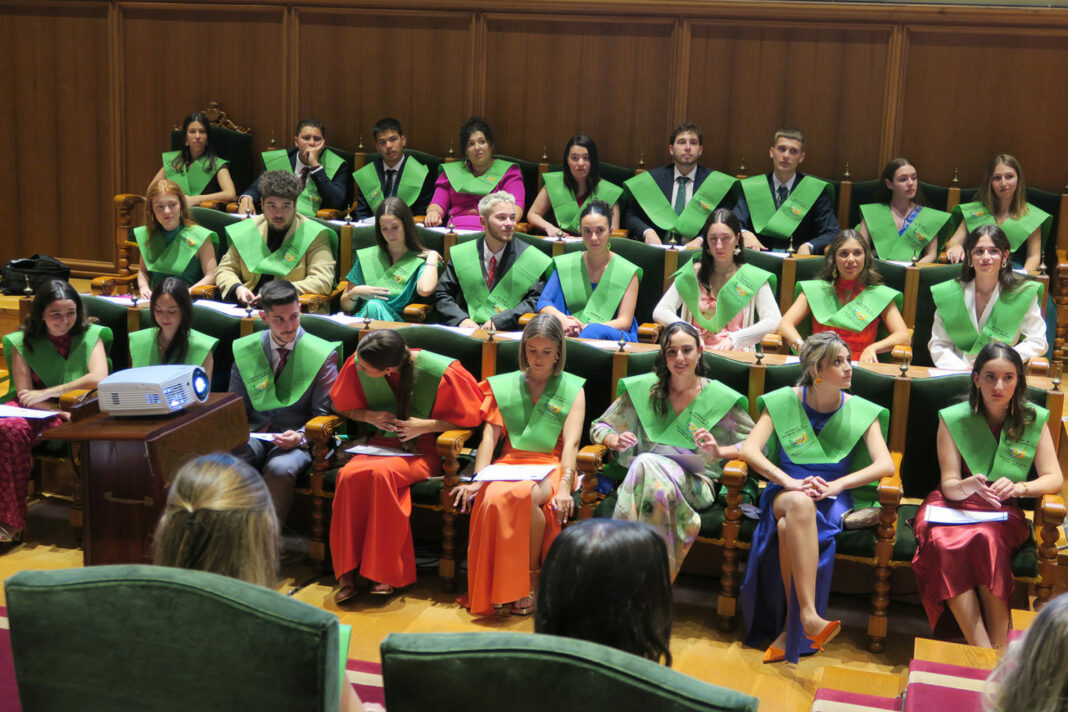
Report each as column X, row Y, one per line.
column 175, row 60
column 548, row 79
column 55, row 167
column 972, row 94
column 747, row 80
column 414, row 66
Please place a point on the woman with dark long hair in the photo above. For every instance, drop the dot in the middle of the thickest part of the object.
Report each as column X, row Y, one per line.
column 200, row 173
column 898, row 224
column 171, row 338
column 567, row 192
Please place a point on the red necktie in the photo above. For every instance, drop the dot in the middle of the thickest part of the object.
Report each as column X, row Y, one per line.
column 491, row 271
column 283, row 356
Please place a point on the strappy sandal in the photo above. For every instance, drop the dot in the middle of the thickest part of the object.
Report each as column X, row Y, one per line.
column 382, row 589
column 524, row 606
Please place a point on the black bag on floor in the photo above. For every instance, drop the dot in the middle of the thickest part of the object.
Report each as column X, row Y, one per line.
column 37, row 270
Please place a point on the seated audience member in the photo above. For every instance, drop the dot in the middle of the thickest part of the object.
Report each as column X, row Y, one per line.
column 386, row 277
column 676, row 199
column 560, row 201
column 280, row 244
column 392, row 174
column 462, row 184
column 987, row 302
column 786, row 207
column 201, row 174
column 732, row 304
column 1002, row 201
column 593, row 292
column 986, row 448
column 170, row 243
column 1032, row 674
column 284, row 376
column 899, row 225
column 849, row 299
column 323, row 176
column 56, row 350
column 586, row 592
column 171, row 339
column 667, row 428
column 508, row 280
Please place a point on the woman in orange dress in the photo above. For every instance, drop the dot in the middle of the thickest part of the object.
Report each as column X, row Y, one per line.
column 541, row 410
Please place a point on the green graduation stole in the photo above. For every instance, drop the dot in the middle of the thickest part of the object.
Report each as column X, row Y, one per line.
column 144, row 347
column 780, row 223
column 655, row 204
column 378, row 272
column 1004, row 321
column 1017, row 230
column 483, row 304
column 986, row 456
column 733, row 296
column 409, row 185
column 175, row 257
column 463, row 180
column 566, row 208
column 252, row 247
column 269, row 393
column 196, row 177
column 45, row 361
column 428, row 370
column 588, row 305
column 308, row 201
column 839, row 436
column 713, row 402
column 927, row 224
column 854, row 316
column 534, row 427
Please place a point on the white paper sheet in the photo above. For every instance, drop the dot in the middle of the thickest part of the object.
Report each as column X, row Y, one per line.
column 444, row 229
column 266, row 437
column 13, row 411
column 944, row 515
column 513, row 473
column 380, row 451
column 224, row 308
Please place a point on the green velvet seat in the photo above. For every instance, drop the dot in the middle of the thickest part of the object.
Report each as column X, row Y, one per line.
column 160, row 639
column 114, row 316
column 326, row 328
column 862, row 193
column 216, row 221
column 465, row 349
column 651, row 260
column 226, row 329
column 522, row 672
column 925, row 310
column 543, row 244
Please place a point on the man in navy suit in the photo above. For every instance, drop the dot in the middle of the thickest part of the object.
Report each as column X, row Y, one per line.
column 392, row 174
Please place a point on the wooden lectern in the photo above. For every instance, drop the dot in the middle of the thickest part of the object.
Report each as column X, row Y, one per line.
column 127, row 463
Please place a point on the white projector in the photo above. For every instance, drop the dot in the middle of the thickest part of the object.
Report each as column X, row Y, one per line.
column 152, row 390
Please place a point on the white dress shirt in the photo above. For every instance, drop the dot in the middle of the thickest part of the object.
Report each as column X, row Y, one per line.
column 1031, row 336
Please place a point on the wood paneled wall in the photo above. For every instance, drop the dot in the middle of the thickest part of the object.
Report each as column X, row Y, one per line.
column 93, row 87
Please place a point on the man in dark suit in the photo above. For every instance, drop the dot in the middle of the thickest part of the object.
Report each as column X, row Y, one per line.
column 324, row 175
column 284, row 376
column 392, row 174
column 662, row 199
column 494, row 278
column 785, row 204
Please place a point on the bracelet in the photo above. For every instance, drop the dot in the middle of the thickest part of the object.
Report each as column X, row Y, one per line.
column 1027, row 491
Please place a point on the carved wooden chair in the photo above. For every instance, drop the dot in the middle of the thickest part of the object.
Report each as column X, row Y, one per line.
column 230, row 140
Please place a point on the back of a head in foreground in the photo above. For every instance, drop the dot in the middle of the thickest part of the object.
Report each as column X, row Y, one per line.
column 1033, row 673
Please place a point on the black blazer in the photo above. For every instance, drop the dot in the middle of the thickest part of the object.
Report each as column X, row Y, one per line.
column 636, row 221
column 363, row 210
column 818, row 227
column 335, row 193
column 452, row 306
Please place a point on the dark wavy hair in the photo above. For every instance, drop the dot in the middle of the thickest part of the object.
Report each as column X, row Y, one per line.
column 52, row 291
column 708, row 262
column 583, row 141
column 475, row 123
column 607, row 581
column 400, row 210
column 178, row 349
column 658, row 394
column 1020, row 414
column 385, row 348
column 884, row 194
column 868, row 274
column 1008, row 279
column 184, row 159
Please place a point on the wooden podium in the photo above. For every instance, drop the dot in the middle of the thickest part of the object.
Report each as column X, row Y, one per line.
column 127, row 464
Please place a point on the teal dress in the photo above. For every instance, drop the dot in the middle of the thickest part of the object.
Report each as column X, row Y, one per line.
column 383, row 309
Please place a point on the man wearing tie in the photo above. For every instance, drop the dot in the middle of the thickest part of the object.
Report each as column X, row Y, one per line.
column 494, row 278
column 324, row 175
column 284, row 375
column 662, row 200
column 785, row 207
column 392, row 174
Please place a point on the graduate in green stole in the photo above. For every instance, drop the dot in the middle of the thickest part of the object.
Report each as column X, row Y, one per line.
column 988, row 446
column 385, row 278
column 170, row 338
column 170, row 243
column 898, row 226
column 200, row 173
column 593, row 292
column 581, row 178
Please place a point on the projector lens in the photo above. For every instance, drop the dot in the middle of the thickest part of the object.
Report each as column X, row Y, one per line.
column 201, row 386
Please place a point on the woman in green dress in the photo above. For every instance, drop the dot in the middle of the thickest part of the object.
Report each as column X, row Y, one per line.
column 898, row 225
column 170, row 243
column 170, row 340
column 202, row 175
column 566, row 192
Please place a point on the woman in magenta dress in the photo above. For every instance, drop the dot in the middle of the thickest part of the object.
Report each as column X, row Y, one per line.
column 986, row 449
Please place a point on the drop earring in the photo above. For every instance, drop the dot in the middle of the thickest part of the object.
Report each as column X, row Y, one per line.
column 834, row 272
column 819, row 380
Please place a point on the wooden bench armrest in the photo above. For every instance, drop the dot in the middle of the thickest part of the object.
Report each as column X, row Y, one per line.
column 772, row 343
column 231, row 208
column 330, row 214
column 649, row 332
column 1038, row 366
column 590, row 462
column 80, row 403
column 451, row 442
column 1048, row 521
column 219, row 205
column 525, row 319
column 418, row 313
column 204, row 291
column 902, row 353
column 106, row 284
column 313, row 303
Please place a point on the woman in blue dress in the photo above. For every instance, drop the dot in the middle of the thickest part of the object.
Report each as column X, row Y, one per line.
column 817, row 458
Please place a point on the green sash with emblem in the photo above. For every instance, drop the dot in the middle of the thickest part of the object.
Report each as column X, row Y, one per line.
column 986, row 456
column 265, row 391
column 927, row 224
column 534, row 427
column 713, row 402
column 463, row 180
column 483, row 304
column 196, row 177
column 378, row 272
column 1002, row 325
column 251, row 245
column 428, row 370
column 1017, row 230
column 566, row 208
column 175, row 257
column 733, row 296
column 45, row 361
column 782, row 222
column 588, row 305
column 308, row 202
column 854, row 316
column 409, row 186
column 706, row 197
column 144, row 348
